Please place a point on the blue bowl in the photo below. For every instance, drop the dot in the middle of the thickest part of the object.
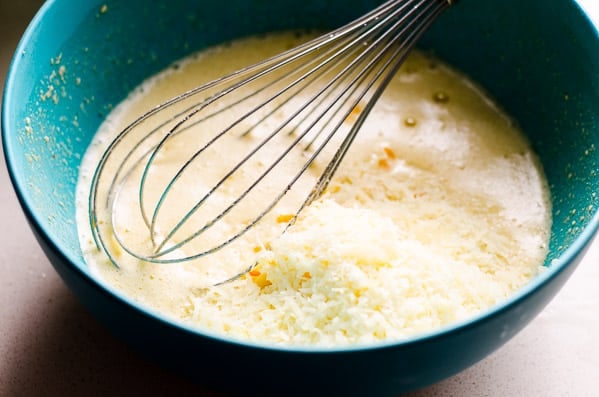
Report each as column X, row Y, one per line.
column 539, row 59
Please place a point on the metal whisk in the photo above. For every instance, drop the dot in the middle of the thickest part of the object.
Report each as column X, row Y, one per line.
column 294, row 114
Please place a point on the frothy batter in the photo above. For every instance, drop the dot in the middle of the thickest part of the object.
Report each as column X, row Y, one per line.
column 439, row 210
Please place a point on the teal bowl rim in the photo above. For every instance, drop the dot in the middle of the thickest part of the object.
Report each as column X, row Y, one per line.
column 557, row 266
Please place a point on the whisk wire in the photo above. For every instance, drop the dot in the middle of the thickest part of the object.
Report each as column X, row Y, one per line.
column 388, row 38
column 388, row 70
column 344, row 72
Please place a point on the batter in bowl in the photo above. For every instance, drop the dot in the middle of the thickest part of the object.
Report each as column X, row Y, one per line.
column 439, row 211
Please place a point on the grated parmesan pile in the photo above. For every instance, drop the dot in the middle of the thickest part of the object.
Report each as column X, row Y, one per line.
column 439, row 211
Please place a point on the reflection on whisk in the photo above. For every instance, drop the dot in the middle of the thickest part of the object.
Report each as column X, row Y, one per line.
column 289, row 121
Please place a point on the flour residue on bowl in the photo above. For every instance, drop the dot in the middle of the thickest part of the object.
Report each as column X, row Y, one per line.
column 439, row 211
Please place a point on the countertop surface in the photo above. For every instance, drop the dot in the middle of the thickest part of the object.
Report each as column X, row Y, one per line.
column 51, row 346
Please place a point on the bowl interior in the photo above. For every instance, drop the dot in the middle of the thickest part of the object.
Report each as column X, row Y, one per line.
column 538, row 59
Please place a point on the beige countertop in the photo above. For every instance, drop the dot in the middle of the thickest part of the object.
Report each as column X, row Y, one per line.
column 51, row 346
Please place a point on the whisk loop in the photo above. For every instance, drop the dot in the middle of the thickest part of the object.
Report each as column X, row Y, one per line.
column 294, row 114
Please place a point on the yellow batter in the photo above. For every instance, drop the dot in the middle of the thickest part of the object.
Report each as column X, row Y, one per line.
column 440, row 210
